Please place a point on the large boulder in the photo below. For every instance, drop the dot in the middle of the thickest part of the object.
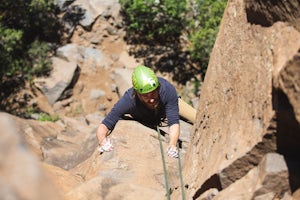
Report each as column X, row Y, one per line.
column 72, row 166
column 61, row 77
column 22, row 175
column 248, row 96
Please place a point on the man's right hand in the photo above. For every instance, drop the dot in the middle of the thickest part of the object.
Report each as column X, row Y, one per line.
column 106, row 146
column 172, row 151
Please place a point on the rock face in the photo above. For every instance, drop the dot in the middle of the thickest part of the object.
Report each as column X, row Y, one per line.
column 244, row 144
column 21, row 175
column 61, row 78
column 71, row 166
column 249, row 103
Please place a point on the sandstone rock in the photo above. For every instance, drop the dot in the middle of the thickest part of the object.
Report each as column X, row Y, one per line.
column 70, row 52
column 80, row 54
column 289, row 81
column 249, row 107
column 61, row 77
column 239, row 98
column 68, row 150
column 134, row 166
column 95, row 94
column 122, row 78
column 21, row 176
column 95, row 8
column 62, row 4
column 268, row 180
column 72, row 146
column 296, row 195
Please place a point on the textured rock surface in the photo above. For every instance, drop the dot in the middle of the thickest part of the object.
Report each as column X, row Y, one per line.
column 247, row 119
column 239, row 99
column 21, row 174
column 72, row 166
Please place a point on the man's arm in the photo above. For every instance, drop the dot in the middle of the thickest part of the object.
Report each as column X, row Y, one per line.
column 104, row 142
column 174, row 132
column 120, row 108
column 101, row 134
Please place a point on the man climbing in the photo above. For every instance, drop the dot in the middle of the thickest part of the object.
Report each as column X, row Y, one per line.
column 150, row 100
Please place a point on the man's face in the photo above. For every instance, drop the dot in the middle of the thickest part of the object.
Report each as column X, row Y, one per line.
column 150, row 99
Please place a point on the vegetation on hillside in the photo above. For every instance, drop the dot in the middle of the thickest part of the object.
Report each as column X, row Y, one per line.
column 154, row 20
column 27, row 31
column 203, row 29
column 160, row 25
column 173, row 36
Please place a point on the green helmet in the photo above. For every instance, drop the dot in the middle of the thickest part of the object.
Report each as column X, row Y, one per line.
column 144, row 80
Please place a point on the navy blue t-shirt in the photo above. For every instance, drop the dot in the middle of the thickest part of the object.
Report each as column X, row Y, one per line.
column 129, row 104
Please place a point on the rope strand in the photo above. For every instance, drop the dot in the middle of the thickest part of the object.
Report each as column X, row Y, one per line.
column 180, row 174
column 165, row 168
column 164, row 164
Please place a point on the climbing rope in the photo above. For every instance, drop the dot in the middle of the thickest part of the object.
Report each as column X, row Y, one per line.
column 180, row 174
column 164, row 165
column 165, row 168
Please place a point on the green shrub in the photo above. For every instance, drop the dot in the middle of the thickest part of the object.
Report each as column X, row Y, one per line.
column 164, row 21
column 39, row 56
column 154, row 20
column 47, row 117
column 35, row 113
column 25, row 29
column 204, row 27
column 10, row 44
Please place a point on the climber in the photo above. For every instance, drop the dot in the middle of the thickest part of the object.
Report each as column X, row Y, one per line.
column 151, row 100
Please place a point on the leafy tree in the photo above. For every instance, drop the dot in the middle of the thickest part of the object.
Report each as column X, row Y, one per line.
column 163, row 21
column 26, row 26
column 10, row 46
column 26, row 29
column 203, row 29
column 154, row 20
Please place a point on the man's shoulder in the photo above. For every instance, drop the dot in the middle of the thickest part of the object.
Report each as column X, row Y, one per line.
column 162, row 80
column 129, row 91
column 164, row 83
column 128, row 95
column 167, row 90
